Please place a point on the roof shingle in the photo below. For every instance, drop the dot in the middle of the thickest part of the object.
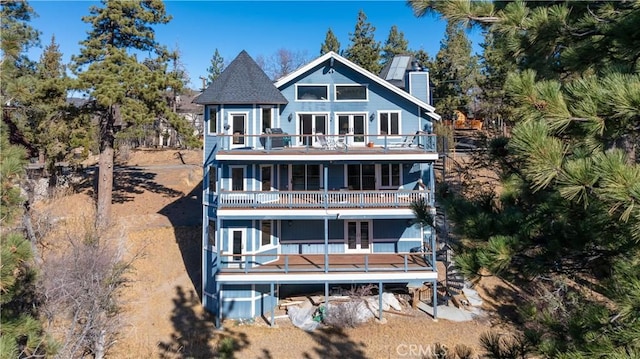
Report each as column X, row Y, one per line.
column 242, row 82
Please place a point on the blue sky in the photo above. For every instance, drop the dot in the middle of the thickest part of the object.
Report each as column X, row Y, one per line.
column 259, row 27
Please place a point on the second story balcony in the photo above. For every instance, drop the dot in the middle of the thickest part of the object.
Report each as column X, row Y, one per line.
column 321, row 199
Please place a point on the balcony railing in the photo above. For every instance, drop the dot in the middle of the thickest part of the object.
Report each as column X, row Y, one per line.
column 418, row 141
column 321, row 199
column 342, row 262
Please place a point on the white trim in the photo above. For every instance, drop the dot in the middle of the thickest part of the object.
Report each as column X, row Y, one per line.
column 327, row 86
column 271, row 244
column 391, row 155
column 358, row 243
column 244, row 177
column 314, row 114
column 349, row 136
column 366, row 92
column 379, row 175
column 217, row 109
column 331, row 277
column 246, row 139
column 284, row 80
column 306, row 177
column 389, row 112
column 232, row 263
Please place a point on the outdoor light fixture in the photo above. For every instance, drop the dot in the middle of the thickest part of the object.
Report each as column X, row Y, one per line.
column 372, row 116
column 290, row 118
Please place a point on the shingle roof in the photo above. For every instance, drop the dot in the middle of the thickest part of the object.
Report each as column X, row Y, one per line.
column 242, row 82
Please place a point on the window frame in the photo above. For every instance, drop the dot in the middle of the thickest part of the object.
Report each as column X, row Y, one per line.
column 389, row 175
column 212, row 109
column 366, row 92
column 244, row 178
column 264, row 109
column 389, row 113
column 213, row 179
column 298, row 99
column 271, row 233
column 212, row 234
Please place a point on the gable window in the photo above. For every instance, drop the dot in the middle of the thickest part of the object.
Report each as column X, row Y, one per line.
column 351, row 93
column 213, row 119
column 390, row 175
column 267, row 121
column 389, row 123
column 265, row 232
column 312, row 92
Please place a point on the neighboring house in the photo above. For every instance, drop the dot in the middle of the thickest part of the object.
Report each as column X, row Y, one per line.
column 309, row 180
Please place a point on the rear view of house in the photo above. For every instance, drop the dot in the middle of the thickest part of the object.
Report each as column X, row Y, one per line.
column 309, row 180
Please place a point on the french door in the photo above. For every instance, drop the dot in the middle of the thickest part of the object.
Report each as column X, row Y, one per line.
column 354, row 127
column 309, row 125
column 357, row 236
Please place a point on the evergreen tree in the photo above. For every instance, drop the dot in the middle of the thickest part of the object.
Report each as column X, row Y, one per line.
column 22, row 335
column 395, row 45
column 330, row 43
column 568, row 208
column 125, row 91
column 216, row 68
column 364, row 50
column 454, row 74
column 423, row 58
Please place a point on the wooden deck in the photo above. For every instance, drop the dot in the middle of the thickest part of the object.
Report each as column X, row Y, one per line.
column 338, row 263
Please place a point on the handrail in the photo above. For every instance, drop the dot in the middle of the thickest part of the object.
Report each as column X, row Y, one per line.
column 369, row 263
column 321, row 199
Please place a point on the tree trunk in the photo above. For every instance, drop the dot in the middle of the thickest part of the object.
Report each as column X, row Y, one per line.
column 105, row 169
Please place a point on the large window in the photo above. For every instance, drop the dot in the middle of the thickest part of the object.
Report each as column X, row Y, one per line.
column 390, row 175
column 237, row 178
column 361, row 177
column 212, row 234
column 312, row 92
column 213, row 119
column 351, row 93
column 389, row 123
column 266, row 231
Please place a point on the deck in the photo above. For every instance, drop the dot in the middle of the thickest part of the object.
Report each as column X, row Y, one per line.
column 315, row 263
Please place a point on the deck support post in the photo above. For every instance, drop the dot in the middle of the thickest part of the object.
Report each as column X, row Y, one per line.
column 273, row 309
column 380, row 288
column 219, row 316
column 326, row 297
column 326, row 244
column 435, row 299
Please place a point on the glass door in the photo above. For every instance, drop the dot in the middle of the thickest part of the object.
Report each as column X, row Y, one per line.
column 238, row 129
column 354, row 127
column 309, row 125
column 358, row 236
column 237, row 248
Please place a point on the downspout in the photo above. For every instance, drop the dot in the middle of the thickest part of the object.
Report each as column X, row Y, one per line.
column 326, row 220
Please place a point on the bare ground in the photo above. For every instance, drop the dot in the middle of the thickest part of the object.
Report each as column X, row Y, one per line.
column 157, row 206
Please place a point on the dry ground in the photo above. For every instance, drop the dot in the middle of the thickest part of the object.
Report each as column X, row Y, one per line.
column 157, row 206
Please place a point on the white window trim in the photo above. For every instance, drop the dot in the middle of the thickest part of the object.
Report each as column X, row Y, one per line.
column 290, row 170
column 272, row 179
column 314, row 140
column 309, row 85
column 271, row 244
column 367, row 127
column 273, row 120
column 380, row 112
column 217, row 111
column 379, row 175
column 366, row 91
column 230, row 115
column 245, row 184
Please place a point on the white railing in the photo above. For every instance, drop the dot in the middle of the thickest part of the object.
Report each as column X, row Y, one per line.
column 321, row 199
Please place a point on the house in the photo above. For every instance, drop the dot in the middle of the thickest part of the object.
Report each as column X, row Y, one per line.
column 309, row 181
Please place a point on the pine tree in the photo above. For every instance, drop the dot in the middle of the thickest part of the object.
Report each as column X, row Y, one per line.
column 216, row 68
column 395, row 45
column 330, row 43
column 364, row 50
column 126, row 92
column 454, row 73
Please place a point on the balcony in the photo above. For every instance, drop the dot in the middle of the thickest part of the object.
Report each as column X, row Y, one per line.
column 321, row 199
column 237, row 143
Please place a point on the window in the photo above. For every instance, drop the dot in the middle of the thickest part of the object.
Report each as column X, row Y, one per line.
column 212, row 233
column 390, row 175
column 389, row 123
column 351, row 92
column 238, row 126
column 213, row 179
column 213, row 119
column 265, row 232
column 265, row 177
column 361, row 177
column 312, row 92
column 237, row 178
column 266, row 119
column 305, row 177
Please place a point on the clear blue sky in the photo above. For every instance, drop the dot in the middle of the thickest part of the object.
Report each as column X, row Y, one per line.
column 259, row 27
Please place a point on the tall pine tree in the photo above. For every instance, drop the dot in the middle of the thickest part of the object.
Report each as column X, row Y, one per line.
column 395, row 45
column 126, row 92
column 216, row 67
column 330, row 43
column 364, row 50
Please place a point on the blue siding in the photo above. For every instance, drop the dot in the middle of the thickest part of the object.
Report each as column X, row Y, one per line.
column 236, row 291
column 385, row 247
column 237, row 309
column 406, row 246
